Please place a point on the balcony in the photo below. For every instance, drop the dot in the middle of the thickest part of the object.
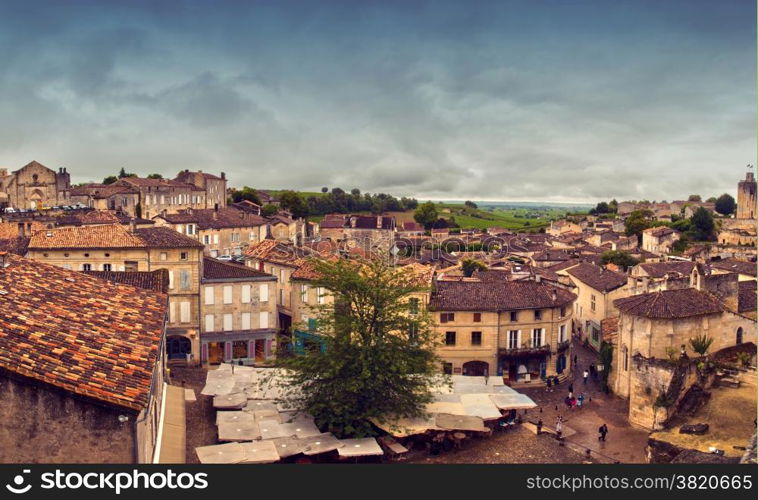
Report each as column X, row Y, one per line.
column 562, row 346
column 525, row 351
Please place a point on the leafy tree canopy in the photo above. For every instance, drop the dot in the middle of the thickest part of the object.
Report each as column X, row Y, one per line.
column 725, row 204
column 618, row 257
column 379, row 360
column 426, row 214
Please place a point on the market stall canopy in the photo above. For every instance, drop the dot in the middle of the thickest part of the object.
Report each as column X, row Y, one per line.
column 514, row 401
column 362, row 447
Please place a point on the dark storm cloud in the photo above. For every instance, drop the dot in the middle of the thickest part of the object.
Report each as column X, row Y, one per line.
column 487, row 100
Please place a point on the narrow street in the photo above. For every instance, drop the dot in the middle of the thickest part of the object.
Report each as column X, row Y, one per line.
column 624, row 443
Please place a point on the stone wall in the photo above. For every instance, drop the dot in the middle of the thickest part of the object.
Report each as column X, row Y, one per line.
column 42, row 424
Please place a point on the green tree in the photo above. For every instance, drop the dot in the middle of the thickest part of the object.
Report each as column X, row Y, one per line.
column 703, row 227
column 426, row 214
column 712, row 199
column 292, row 201
column 471, row 204
column 468, row 266
column 618, row 257
column 324, row 189
column 378, row 361
column 613, row 206
column 110, row 179
column 725, row 204
column 122, row 173
column 694, row 197
column 269, row 210
column 638, row 221
column 246, row 193
column 155, row 176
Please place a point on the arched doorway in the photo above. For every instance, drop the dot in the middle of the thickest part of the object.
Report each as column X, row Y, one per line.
column 739, row 335
column 177, row 347
column 35, row 199
column 476, row 368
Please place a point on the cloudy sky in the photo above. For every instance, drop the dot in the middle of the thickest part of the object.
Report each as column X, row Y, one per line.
column 506, row 100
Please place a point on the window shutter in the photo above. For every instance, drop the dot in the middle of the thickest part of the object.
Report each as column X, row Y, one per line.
column 172, row 312
column 264, row 292
column 209, row 298
column 185, row 312
column 227, row 294
column 171, row 280
column 245, row 294
column 209, row 323
column 245, row 321
column 227, row 322
column 264, row 320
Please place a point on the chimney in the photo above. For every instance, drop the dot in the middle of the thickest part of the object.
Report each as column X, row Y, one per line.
column 378, row 221
column 132, row 225
column 3, row 258
column 555, row 296
column 223, row 175
column 537, row 278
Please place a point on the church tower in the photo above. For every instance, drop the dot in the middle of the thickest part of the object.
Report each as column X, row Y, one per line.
column 746, row 202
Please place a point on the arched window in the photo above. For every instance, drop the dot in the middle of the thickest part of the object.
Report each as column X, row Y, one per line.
column 35, row 178
column 739, row 335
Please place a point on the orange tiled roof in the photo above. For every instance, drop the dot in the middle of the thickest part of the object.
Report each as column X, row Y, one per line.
column 82, row 334
column 106, row 236
column 277, row 252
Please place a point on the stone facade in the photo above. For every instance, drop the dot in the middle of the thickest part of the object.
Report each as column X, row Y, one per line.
column 34, row 186
column 746, row 201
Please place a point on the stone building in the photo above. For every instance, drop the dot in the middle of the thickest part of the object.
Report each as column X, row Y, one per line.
column 659, row 240
column 107, row 197
column 518, row 329
column 117, row 248
column 34, row 186
column 222, row 231
column 213, row 186
column 238, row 313
column 746, row 201
column 82, row 367
column 653, row 327
column 596, row 289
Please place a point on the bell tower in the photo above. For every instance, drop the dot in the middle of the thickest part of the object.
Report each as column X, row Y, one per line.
column 746, row 192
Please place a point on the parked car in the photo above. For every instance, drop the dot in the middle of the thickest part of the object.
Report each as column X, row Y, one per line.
column 10, row 210
column 224, row 257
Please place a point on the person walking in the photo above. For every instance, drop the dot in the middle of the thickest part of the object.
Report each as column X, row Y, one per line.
column 548, row 384
column 580, row 400
column 559, row 427
column 586, row 374
column 603, row 430
column 571, row 388
column 539, row 427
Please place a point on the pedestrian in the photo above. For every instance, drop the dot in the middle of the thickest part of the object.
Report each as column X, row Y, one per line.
column 567, row 402
column 559, row 427
column 603, row 430
column 548, row 384
column 571, row 388
column 586, row 374
column 539, row 427
column 574, row 359
column 593, row 371
column 580, row 401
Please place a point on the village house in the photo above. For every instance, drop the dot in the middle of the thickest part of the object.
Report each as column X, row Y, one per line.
column 368, row 232
column 655, row 276
column 746, row 197
column 410, row 228
column 518, row 329
column 82, row 367
column 659, row 240
column 562, row 226
column 238, row 313
column 117, row 248
column 107, row 197
column 596, row 289
column 223, row 231
column 745, row 270
column 213, row 186
column 281, row 260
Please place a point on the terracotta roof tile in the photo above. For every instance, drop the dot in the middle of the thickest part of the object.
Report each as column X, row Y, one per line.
column 156, row 281
column 661, row 269
column 214, row 269
column 105, row 236
column 670, row 304
column 80, row 333
column 496, row 296
column 601, row 279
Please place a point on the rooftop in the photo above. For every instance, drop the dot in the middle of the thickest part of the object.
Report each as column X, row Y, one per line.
column 599, row 278
column 661, row 269
column 80, row 333
column 217, row 270
column 670, row 304
column 497, row 296
column 156, row 281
